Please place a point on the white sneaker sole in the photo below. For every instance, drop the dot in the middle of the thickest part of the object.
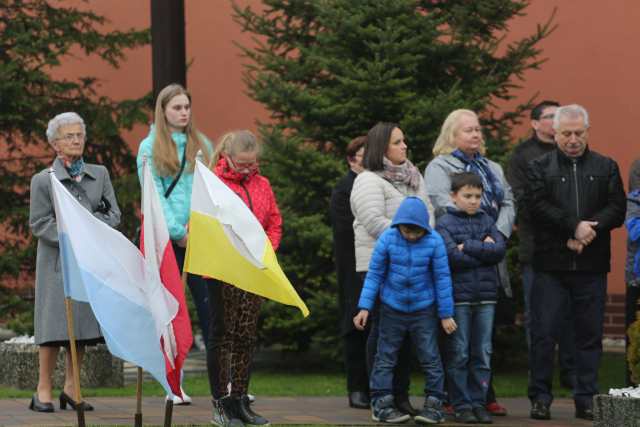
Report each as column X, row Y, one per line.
column 398, row 420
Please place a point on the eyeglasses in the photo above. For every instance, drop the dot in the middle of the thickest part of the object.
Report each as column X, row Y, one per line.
column 70, row 137
column 580, row 133
column 547, row 116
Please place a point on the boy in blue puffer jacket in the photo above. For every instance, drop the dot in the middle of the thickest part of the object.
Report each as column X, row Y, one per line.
column 475, row 247
column 409, row 272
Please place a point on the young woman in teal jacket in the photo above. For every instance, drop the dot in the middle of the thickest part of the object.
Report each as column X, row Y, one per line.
column 171, row 147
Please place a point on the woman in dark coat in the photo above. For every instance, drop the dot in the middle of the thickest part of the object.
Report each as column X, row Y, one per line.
column 91, row 185
column 349, row 284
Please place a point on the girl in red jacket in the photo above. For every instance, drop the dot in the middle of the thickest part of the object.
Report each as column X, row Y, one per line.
column 234, row 312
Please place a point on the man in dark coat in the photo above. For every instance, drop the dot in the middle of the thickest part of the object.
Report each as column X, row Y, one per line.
column 541, row 142
column 349, row 284
column 575, row 198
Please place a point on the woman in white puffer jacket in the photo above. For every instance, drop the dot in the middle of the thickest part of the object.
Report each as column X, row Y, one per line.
column 389, row 177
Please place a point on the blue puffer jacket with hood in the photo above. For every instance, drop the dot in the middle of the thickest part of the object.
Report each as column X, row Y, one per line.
column 410, row 276
column 474, row 269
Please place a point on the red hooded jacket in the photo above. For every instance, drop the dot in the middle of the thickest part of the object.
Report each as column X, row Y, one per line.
column 255, row 190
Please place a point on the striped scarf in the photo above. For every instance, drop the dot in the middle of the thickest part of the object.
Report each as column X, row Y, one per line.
column 493, row 193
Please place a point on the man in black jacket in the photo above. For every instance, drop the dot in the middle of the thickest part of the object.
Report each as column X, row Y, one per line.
column 575, row 198
column 541, row 142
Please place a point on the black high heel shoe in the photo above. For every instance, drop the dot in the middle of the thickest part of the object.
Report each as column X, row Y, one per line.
column 38, row 406
column 66, row 399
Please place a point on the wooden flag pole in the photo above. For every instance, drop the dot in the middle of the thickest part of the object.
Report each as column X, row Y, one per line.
column 138, row 419
column 74, row 363
column 168, row 412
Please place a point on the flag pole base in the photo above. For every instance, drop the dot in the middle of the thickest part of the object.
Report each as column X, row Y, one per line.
column 168, row 412
column 80, row 413
column 138, row 420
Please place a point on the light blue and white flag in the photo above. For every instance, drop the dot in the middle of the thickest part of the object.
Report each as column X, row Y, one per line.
column 102, row 267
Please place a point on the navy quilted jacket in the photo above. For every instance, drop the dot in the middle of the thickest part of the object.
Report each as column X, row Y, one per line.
column 474, row 269
column 410, row 276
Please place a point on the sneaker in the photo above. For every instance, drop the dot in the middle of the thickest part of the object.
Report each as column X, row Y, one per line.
column 540, row 411
column 496, row 409
column 465, row 416
column 585, row 413
column 384, row 411
column 431, row 412
column 222, row 418
column 184, row 400
column 482, row 415
column 252, row 398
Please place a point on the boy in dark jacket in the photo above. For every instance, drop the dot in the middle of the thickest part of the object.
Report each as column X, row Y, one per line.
column 409, row 272
column 475, row 247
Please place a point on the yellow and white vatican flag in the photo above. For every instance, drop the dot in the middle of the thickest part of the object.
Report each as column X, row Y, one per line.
column 226, row 242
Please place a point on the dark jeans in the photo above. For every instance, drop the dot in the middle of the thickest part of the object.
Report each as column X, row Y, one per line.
column 198, row 288
column 566, row 345
column 422, row 327
column 402, row 370
column 469, row 364
column 632, row 297
column 355, row 360
column 587, row 294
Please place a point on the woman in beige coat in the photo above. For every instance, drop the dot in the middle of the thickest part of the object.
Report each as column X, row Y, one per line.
column 377, row 192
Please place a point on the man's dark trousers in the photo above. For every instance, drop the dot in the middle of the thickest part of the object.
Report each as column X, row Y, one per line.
column 586, row 292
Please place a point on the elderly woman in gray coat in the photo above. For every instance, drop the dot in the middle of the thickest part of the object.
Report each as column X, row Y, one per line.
column 460, row 148
column 91, row 185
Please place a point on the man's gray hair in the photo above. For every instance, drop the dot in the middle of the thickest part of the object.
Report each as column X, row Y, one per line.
column 571, row 111
column 63, row 119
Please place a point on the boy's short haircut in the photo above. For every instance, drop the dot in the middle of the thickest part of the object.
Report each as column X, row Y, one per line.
column 464, row 179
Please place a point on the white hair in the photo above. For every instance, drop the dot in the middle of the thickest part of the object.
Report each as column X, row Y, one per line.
column 63, row 119
column 571, row 111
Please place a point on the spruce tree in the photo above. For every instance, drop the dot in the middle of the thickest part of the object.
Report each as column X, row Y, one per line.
column 35, row 38
column 328, row 70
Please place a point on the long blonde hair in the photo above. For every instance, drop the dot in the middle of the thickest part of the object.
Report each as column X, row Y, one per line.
column 445, row 142
column 232, row 143
column 165, row 156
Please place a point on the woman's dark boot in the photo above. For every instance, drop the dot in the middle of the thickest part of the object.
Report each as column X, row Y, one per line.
column 225, row 413
column 246, row 415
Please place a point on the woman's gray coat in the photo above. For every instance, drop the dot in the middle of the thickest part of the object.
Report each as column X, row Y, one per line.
column 437, row 177
column 50, row 319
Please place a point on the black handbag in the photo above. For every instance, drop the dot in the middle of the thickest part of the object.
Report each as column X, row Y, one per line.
column 167, row 193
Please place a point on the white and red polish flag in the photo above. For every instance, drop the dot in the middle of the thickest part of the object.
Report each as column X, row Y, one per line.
column 177, row 337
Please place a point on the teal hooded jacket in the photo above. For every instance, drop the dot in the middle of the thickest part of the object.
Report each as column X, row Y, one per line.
column 176, row 208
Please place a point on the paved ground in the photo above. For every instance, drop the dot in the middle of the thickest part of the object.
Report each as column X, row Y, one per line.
column 279, row 410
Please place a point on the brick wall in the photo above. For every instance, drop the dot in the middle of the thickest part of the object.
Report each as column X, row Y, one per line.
column 614, row 316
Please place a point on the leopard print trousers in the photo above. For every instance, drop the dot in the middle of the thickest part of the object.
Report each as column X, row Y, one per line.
column 233, row 315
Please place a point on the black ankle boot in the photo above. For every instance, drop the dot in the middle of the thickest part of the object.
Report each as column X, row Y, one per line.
column 246, row 414
column 225, row 413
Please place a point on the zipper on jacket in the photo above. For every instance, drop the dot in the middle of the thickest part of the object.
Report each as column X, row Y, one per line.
column 248, row 196
column 575, row 180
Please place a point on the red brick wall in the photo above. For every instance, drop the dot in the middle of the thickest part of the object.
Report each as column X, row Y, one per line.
column 614, row 316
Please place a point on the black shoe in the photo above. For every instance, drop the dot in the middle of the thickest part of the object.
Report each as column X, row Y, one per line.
column 465, row 416
column 66, row 399
column 403, row 405
column 584, row 413
column 359, row 400
column 38, row 406
column 246, row 415
column 482, row 415
column 225, row 417
column 540, row 411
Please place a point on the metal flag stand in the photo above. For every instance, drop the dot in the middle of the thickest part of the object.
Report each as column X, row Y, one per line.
column 74, row 362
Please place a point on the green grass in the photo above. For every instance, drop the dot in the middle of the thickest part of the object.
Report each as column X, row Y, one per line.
column 268, row 383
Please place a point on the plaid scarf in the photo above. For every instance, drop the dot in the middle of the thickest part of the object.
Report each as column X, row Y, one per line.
column 406, row 173
column 493, row 193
